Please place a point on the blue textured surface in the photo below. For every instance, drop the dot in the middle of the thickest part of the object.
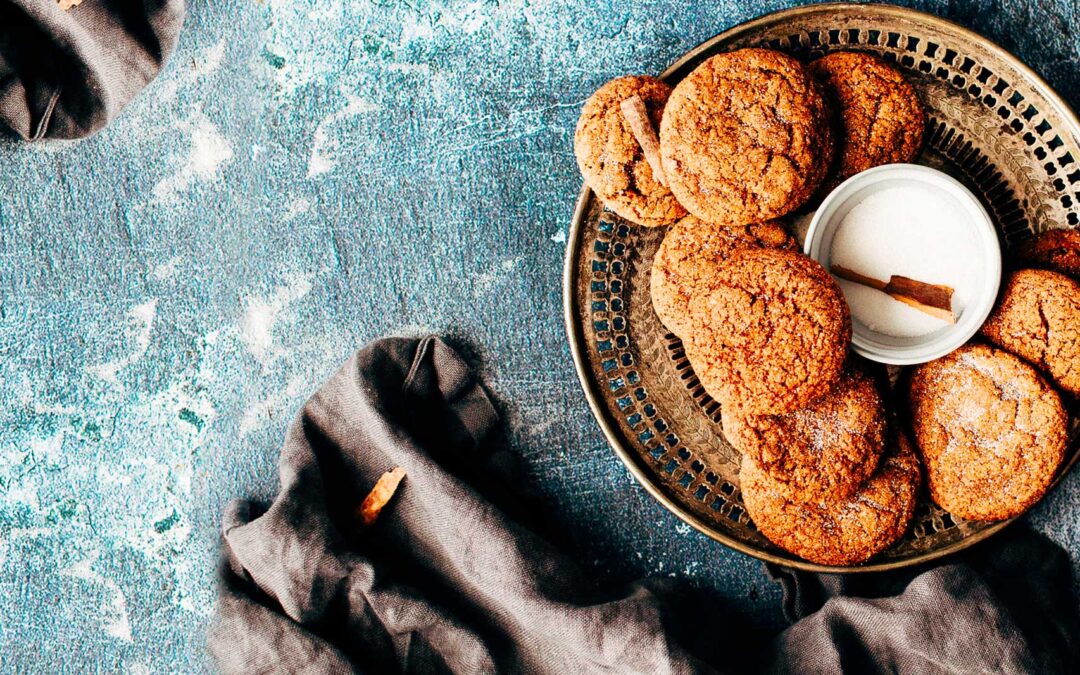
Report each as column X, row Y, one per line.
column 304, row 177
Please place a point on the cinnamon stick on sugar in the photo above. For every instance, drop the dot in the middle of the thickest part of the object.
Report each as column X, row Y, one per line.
column 932, row 299
column 637, row 116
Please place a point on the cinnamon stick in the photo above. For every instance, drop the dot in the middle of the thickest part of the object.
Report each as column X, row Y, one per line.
column 637, row 116
column 932, row 299
column 945, row 315
column 933, row 295
column 861, row 279
column 380, row 496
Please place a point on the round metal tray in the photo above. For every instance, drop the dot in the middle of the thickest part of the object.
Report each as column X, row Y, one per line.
column 992, row 123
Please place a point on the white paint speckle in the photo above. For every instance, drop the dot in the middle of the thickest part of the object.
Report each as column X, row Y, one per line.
column 52, row 146
column 166, row 270
column 259, row 412
column 297, row 206
column 420, row 69
column 485, row 282
column 559, row 237
column 541, row 427
column 111, row 476
column 415, row 31
column 203, row 65
column 324, row 148
column 142, row 319
column 24, row 492
column 113, row 613
column 50, row 409
column 261, row 313
column 208, row 151
column 210, row 61
column 50, row 448
column 183, row 395
column 415, row 330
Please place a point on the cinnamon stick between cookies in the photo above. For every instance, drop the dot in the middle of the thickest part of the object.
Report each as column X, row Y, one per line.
column 637, row 116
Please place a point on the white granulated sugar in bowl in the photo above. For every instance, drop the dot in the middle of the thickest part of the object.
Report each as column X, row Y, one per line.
column 913, row 231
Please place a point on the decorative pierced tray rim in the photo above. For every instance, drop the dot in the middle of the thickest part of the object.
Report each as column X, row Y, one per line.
column 578, row 344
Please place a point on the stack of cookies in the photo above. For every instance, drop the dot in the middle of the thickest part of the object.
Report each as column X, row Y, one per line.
column 746, row 139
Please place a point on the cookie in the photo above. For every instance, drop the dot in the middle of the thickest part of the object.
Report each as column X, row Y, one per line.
column 878, row 116
column 611, row 160
column 770, row 333
column 1038, row 319
column 824, row 451
column 1055, row 250
column 844, row 532
column 745, row 137
column 990, row 430
column 689, row 256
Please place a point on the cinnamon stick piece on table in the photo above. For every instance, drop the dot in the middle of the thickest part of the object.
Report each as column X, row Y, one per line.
column 637, row 116
column 380, row 496
column 932, row 299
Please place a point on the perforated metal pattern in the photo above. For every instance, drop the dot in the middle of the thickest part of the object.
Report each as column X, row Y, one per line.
column 993, row 124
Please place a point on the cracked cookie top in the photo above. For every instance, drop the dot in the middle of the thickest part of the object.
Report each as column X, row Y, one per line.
column 823, row 451
column 878, row 116
column 837, row 532
column 770, row 333
column 745, row 137
column 689, row 256
column 991, row 432
column 1038, row 319
column 611, row 160
column 1055, row 250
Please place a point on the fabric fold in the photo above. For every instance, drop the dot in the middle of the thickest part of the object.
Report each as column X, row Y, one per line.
column 67, row 74
column 447, row 581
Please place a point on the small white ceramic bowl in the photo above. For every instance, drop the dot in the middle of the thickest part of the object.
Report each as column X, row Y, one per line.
column 910, row 350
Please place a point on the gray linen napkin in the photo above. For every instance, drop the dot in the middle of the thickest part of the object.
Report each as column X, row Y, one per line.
column 447, row 581
column 67, row 74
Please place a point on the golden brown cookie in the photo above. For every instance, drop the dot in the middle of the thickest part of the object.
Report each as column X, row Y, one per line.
column 745, row 137
column 1038, row 319
column 689, row 256
column 878, row 115
column 990, row 430
column 1055, row 250
column 770, row 333
column 824, row 451
column 611, row 160
column 845, row 532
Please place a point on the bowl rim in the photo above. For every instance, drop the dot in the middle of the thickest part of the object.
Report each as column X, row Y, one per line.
column 988, row 246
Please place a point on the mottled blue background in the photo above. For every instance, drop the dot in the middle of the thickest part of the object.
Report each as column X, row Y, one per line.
column 306, row 176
